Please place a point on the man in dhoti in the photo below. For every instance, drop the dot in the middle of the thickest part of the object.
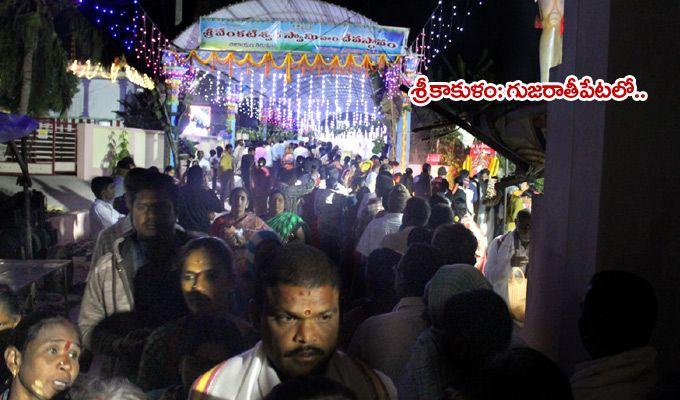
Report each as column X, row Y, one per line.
column 297, row 311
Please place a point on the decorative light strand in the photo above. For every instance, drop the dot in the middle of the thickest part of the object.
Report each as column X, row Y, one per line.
column 129, row 24
column 437, row 34
column 88, row 71
column 329, row 108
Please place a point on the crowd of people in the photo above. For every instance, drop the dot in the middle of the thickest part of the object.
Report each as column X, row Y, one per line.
column 286, row 271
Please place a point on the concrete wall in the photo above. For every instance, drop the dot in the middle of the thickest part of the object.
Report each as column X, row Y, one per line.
column 612, row 185
column 640, row 229
column 103, row 98
column 146, row 147
column 565, row 220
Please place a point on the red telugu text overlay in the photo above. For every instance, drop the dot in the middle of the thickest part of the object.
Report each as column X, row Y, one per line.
column 584, row 89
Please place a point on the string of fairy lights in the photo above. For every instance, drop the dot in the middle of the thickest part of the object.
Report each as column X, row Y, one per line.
column 324, row 104
column 127, row 22
column 438, row 34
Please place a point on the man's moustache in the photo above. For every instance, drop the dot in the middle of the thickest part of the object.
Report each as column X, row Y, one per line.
column 197, row 296
column 307, row 349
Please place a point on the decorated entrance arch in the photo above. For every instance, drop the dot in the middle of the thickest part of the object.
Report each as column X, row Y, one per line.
column 335, row 82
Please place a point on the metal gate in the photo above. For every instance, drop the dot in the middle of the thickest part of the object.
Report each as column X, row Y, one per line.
column 52, row 149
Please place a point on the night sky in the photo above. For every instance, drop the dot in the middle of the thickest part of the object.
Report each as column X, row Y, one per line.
column 504, row 27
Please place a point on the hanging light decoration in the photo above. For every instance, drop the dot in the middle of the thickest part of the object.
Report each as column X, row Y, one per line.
column 331, row 105
column 89, row 71
column 127, row 22
column 437, row 36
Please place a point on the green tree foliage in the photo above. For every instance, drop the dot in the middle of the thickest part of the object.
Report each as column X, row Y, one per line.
column 143, row 110
column 186, row 146
column 52, row 86
column 117, row 148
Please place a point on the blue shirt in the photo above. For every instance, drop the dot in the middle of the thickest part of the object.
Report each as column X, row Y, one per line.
column 118, row 185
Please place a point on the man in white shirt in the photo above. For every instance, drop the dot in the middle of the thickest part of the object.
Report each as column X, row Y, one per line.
column 371, row 178
column 108, row 236
column 150, row 248
column 297, row 311
column 507, row 251
column 102, row 213
column 463, row 181
column 204, row 163
column 268, row 154
column 416, row 214
column 330, row 207
column 238, row 153
column 301, row 150
column 215, row 166
column 278, row 151
column 377, row 229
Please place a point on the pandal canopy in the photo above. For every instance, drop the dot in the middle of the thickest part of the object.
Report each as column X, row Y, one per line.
column 303, row 65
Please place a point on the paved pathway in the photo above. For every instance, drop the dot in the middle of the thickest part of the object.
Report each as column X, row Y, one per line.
column 64, row 192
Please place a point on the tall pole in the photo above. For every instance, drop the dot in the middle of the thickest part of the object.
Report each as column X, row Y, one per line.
column 169, row 108
column 32, row 22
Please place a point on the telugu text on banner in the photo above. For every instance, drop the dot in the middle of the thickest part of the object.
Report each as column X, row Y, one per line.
column 223, row 34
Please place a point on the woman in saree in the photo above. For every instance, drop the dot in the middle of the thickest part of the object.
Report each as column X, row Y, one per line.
column 238, row 226
column 349, row 175
column 288, row 225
